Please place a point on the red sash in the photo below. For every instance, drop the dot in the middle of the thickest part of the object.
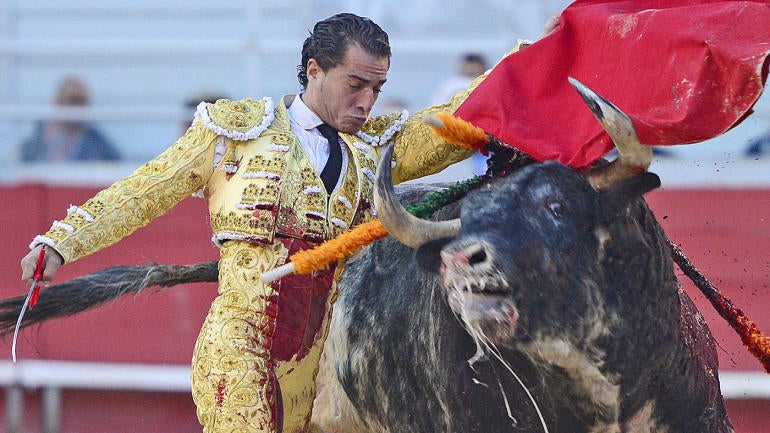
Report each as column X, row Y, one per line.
column 299, row 309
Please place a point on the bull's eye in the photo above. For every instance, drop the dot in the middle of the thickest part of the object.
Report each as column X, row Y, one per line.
column 557, row 209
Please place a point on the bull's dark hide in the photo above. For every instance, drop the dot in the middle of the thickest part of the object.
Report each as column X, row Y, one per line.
column 579, row 322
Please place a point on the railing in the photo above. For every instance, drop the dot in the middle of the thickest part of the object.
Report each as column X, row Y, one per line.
column 51, row 377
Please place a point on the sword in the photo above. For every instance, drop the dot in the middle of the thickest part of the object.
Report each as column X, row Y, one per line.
column 32, row 297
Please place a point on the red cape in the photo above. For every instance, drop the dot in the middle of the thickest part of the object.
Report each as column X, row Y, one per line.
column 684, row 71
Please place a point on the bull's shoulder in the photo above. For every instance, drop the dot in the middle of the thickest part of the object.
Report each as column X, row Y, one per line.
column 410, row 193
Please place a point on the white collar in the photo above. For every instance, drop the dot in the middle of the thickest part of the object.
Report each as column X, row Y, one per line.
column 302, row 115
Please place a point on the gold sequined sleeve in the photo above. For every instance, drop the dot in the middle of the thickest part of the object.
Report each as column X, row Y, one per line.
column 418, row 152
column 135, row 200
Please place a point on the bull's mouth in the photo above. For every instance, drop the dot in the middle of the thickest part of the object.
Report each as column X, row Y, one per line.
column 478, row 293
column 490, row 318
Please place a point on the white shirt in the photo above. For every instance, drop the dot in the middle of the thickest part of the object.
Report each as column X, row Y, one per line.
column 304, row 124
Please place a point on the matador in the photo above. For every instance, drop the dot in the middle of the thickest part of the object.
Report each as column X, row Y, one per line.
column 258, row 163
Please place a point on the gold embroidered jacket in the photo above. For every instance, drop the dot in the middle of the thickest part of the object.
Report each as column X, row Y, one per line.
column 264, row 184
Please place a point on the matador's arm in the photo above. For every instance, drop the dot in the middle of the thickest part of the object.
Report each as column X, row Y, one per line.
column 134, row 201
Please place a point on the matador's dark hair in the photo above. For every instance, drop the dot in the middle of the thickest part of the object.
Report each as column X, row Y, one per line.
column 331, row 37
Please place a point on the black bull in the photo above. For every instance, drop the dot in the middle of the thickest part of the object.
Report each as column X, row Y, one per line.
column 555, row 308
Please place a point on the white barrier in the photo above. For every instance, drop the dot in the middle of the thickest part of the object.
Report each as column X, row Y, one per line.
column 35, row 374
column 53, row 376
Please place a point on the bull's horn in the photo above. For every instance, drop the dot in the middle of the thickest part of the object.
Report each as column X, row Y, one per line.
column 405, row 227
column 633, row 157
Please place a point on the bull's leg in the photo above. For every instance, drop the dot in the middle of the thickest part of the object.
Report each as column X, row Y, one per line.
column 333, row 412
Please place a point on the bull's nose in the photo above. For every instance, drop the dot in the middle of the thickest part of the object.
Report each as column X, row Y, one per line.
column 466, row 257
column 470, row 267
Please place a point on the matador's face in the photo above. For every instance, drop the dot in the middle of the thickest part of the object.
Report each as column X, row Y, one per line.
column 344, row 95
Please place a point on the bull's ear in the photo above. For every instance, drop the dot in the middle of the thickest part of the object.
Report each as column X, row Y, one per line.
column 615, row 200
column 428, row 255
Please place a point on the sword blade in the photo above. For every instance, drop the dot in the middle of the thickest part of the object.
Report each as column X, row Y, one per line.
column 21, row 316
column 31, row 296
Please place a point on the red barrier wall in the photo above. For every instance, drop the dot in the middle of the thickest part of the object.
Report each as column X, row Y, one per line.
column 726, row 233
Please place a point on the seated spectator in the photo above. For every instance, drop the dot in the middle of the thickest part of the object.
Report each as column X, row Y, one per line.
column 470, row 66
column 759, row 146
column 68, row 140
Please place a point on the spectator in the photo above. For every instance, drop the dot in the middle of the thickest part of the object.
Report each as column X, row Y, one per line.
column 759, row 146
column 68, row 140
column 471, row 66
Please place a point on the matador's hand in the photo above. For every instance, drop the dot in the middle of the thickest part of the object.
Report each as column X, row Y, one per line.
column 551, row 25
column 51, row 263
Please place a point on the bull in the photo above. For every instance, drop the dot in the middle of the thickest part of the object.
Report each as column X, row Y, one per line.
column 544, row 302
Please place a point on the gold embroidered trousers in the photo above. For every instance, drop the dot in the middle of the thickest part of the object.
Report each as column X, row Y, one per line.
column 256, row 358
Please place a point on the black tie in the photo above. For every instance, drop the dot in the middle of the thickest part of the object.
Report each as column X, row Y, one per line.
column 331, row 171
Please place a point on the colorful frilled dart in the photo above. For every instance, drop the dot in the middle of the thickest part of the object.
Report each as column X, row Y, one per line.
column 755, row 341
column 307, row 261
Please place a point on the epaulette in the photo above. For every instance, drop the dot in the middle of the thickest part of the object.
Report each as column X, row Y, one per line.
column 380, row 129
column 239, row 120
